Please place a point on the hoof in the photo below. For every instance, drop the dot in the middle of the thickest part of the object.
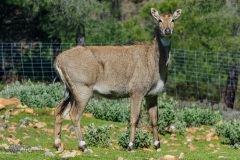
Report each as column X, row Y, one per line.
column 157, row 146
column 84, row 148
column 131, row 150
column 59, row 147
column 158, row 150
column 131, row 147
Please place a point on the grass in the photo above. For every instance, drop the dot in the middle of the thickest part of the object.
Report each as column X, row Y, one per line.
column 171, row 145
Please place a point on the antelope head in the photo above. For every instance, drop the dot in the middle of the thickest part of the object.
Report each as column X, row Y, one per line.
column 165, row 28
column 166, row 21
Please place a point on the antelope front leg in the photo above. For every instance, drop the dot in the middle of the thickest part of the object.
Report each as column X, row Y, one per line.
column 135, row 108
column 151, row 103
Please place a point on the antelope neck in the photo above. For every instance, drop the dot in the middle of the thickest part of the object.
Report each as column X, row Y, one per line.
column 166, row 41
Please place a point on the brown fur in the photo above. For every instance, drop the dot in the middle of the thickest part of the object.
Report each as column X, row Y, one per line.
column 134, row 71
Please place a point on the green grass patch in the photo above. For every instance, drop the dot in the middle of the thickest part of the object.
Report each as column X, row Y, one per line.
column 171, row 144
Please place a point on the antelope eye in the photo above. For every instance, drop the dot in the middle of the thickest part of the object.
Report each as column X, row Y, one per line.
column 172, row 20
column 159, row 20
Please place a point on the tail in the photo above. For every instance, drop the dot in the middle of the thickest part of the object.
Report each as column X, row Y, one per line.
column 67, row 95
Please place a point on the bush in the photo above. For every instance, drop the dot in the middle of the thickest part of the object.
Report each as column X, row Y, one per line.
column 231, row 131
column 110, row 110
column 197, row 117
column 187, row 117
column 35, row 95
column 167, row 113
column 142, row 139
column 96, row 136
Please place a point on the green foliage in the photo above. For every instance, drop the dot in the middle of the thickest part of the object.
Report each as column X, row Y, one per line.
column 198, row 116
column 166, row 113
column 132, row 31
column 142, row 139
column 231, row 131
column 35, row 95
column 169, row 116
column 97, row 136
column 110, row 110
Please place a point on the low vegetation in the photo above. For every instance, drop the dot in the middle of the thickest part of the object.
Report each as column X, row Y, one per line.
column 193, row 131
column 29, row 135
column 35, row 95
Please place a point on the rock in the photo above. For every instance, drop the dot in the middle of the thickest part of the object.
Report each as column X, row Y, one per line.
column 222, row 157
column 5, row 146
column 10, row 102
column 2, row 107
column 120, row 158
column 211, row 145
column 15, row 112
column 2, row 137
column 40, row 125
column 172, row 128
column 49, row 154
column 168, row 157
column 35, row 120
column 66, row 127
column 191, row 147
column 163, row 141
column 89, row 150
column 36, row 148
column 11, row 129
column 148, row 149
column 28, row 110
column 14, row 141
column 181, row 156
column 22, row 106
column 216, row 138
column 26, row 137
column 200, row 138
column 68, row 154
column 90, row 115
column 116, row 147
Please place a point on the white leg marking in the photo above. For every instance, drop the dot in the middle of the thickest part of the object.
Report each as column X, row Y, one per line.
column 156, row 143
column 57, row 141
column 67, row 110
column 130, row 144
column 82, row 143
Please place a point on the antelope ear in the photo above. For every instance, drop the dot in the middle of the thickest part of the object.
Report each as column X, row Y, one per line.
column 155, row 13
column 177, row 14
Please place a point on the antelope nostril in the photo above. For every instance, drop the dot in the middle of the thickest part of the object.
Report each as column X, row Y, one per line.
column 167, row 30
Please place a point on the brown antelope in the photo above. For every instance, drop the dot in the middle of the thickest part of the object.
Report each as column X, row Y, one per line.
column 135, row 71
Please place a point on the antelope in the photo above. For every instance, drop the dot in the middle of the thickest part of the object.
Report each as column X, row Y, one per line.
column 135, row 71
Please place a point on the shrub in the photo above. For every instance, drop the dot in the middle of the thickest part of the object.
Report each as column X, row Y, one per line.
column 197, row 117
column 167, row 113
column 96, row 136
column 187, row 117
column 110, row 110
column 35, row 95
column 231, row 131
column 142, row 139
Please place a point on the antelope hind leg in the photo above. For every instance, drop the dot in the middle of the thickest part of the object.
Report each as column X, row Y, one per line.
column 153, row 114
column 80, row 102
column 60, row 112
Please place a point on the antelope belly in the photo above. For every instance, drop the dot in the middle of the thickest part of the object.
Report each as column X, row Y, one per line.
column 157, row 88
column 108, row 92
